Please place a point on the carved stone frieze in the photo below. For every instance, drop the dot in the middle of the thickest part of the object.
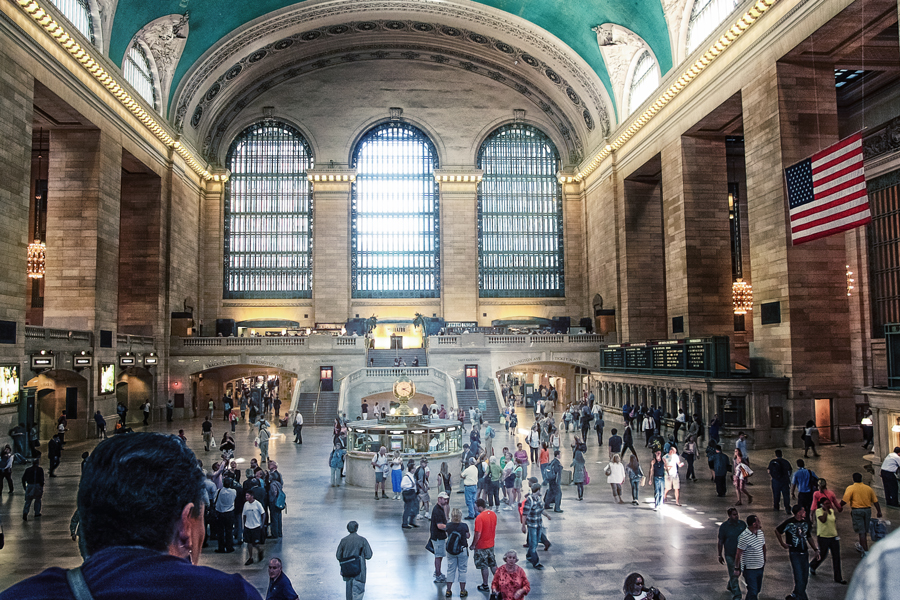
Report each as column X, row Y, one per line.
column 165, row 38
column 886, row 139
column 674, row 11
column 618, row 45
column 303, row 15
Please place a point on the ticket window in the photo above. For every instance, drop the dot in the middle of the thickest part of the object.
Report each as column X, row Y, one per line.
column 326, row 379
column 471, row 377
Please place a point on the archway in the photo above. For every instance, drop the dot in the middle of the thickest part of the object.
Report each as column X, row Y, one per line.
column 134, row 387
column 58, row 390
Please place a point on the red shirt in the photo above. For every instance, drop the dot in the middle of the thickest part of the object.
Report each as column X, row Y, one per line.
column 544, row 456
column 509, row 583
column 486, row 524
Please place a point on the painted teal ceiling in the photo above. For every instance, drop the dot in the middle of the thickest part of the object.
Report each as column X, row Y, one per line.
column 569, row 20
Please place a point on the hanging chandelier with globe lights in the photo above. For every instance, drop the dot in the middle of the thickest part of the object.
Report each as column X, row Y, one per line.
column 742, row 297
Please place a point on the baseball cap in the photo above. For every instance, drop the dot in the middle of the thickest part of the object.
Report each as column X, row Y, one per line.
column 444, row 495
column 532, row 480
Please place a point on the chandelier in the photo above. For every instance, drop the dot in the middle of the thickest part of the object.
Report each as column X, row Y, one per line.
column 742, row 297
column 37, row 252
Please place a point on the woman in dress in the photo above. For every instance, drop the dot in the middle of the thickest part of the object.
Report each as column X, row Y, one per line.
column 615, row 477
column 510, row 579
column 634, row 473
column 578, row 470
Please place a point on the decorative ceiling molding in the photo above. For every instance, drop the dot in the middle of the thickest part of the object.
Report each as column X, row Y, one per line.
column 107, row 12
column 226, row 111
column 165, row 39
column 291, row 21
column 676, row 12
column 619, row 45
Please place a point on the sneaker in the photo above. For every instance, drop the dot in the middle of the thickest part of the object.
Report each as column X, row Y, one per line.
column 538, row 566
column 406, row 527
column 249, row 561
column 484, row 588
column 463, row 593
column 859, row 548
column 440, row 579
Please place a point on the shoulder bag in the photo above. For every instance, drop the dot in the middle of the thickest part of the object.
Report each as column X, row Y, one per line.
column 351, row 567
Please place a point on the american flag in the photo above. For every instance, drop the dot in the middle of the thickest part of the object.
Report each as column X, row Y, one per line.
column 827, row 192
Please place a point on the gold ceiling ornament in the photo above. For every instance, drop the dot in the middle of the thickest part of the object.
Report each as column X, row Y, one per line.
column 68, row 43
column 690, row 73
column 37, row 254
column 742, row 297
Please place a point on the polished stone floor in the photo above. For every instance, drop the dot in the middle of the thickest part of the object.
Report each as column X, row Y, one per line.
column 596, row 543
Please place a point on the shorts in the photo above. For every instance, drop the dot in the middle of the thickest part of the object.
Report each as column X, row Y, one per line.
column 424, row 497
column 673, row 483
column 440, row 548
column 379, row 477
column 484, row 558
column 860, row 518
column 253, row 536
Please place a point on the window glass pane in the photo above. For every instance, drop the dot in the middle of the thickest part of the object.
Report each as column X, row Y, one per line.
column 520, row 233
column 268, row 214
column 644, row 81
column 137, row 72
column 79, row 14
column 395, row 246
column 706, row 16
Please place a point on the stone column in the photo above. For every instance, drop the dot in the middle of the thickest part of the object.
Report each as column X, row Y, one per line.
column 16, row 109
column 331, row 243
column 212, row 253
column 782, row 125
column 83, row 230
column 459, row 243
column 578, row 302
column 642, row 289
column 697, row 236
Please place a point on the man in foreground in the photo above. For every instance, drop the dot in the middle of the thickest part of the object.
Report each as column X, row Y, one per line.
column 355, row 548
column 142, row 520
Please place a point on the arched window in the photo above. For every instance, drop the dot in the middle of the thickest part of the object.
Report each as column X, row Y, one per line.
column 520, row 230
column 137, row 72
column 268, row 214
column 706, row 16
column 643, row 82
column 394, row 215
column 78, row 12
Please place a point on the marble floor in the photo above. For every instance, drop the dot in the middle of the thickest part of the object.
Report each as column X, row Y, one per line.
column 596, row 543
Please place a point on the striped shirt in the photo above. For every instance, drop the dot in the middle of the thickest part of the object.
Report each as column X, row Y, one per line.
column 752, row 547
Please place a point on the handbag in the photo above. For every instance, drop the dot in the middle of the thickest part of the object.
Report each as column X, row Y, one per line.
column 351, row 567
column 608, row 470
column 429, row 546
column 495, row 595
column 587, row 478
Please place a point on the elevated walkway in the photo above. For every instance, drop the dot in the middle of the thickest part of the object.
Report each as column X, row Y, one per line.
column 387, row 358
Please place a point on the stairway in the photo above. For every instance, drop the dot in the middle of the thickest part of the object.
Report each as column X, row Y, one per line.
column 327, row 409
column 385, row 358
column 467, row 399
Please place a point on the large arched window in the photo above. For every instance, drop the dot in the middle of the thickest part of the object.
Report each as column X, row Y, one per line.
column 706, row 16
column 268, row 214
column 395, row 242
column 78, row 12
column 520, row 229
column 644, row 81
column 137, row 72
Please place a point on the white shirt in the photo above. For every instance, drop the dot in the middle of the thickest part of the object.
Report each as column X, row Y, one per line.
column 298, row 420
column 407, row 483
column 225, row 499
column 680, row 418
column 470, row 475
column 253, row 514
column 891, row 463
column 673, row 461
column 752, row 546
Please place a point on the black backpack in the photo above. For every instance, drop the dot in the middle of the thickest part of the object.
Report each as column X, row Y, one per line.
column 455, row 543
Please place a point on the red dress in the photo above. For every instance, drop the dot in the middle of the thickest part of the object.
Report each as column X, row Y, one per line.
column 509, row 583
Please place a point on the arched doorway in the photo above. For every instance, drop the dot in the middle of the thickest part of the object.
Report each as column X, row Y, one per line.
column 134, row 387
column 58, row 390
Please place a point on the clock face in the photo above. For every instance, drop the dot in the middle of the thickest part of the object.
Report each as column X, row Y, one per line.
column 404, row 389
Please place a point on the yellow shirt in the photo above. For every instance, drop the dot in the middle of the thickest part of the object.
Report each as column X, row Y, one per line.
column 828, row 529
column 859, row 495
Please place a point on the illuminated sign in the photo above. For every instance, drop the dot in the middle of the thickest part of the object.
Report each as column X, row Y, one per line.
column 107, row 378
column 9, row 384
column 151, row 360
column 83, row 361
column 42, row 361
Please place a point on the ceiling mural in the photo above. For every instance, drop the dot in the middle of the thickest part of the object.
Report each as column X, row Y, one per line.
column 221, row 29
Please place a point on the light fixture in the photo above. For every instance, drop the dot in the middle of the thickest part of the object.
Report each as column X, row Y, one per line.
column 741, row 297
column 850, row 280
column 896, row 427
column 37, row 254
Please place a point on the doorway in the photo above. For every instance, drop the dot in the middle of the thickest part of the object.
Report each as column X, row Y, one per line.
column 326, row 379
column 471, row 377
column 824, row 419
column 396, row 342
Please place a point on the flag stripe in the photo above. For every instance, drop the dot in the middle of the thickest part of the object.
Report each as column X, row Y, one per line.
column 833, row 217
column 827, row 192
column 828, row 207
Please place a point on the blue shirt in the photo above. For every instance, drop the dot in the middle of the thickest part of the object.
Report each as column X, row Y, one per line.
column 802, row 480
column 281, row 589
column 136, row 573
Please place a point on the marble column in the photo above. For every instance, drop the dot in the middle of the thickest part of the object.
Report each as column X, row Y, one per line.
column 331, row 244
column 459, row 243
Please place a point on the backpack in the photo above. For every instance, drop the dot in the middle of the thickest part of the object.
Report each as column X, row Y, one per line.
column 455, row 543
